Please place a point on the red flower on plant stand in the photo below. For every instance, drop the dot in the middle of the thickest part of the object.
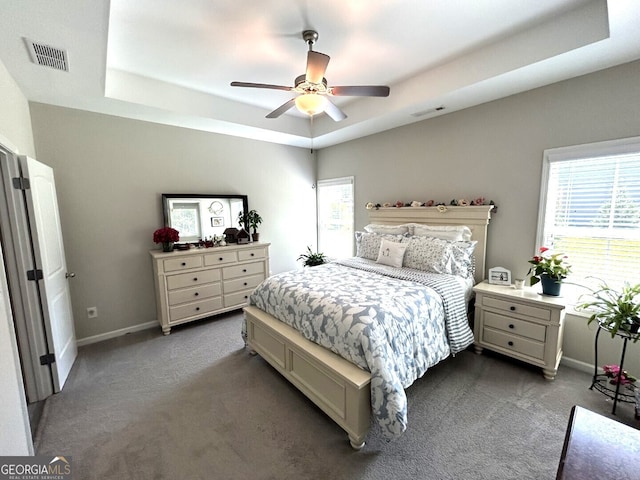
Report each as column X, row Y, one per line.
column 166, row 236
column 623, row 378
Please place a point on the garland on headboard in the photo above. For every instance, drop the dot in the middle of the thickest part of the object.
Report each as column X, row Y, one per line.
column 441, row 206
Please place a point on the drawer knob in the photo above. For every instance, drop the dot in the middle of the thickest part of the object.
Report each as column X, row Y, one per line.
column 512, row 308
column 220, row 259
column 184, row 264
column 510, row 344
column 195, row 279
column 246, row 296
column 196, row 294
column 244, row 269
column 197, row 308
column 245, row 284
column 252, row 254
column 511, row 325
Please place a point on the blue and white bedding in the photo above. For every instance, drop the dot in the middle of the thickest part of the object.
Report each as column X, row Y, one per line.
column 393, row 322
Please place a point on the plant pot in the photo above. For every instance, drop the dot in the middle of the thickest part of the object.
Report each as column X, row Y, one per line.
column 550, row 286
column 255, row 237
column 167, row 246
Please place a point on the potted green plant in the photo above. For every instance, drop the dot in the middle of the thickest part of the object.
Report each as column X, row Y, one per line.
column 311, row 258
column 615, row 310
column 550, row 269
column 254, row 219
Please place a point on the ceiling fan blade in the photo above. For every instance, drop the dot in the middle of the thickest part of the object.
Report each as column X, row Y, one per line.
column 334, row 112
column 282, row 108
column 260, row 85
column 316, row 66
column 361, row 91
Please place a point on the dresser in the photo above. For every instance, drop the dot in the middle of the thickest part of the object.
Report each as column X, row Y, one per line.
column 198, row 283
column 520, row 323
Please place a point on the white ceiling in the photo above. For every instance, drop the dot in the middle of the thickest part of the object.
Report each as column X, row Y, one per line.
column 171, row 62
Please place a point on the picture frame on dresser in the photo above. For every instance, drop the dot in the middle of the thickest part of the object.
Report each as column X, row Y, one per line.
column 499, row 276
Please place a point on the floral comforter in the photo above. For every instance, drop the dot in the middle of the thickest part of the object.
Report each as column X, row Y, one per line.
column 394, row 323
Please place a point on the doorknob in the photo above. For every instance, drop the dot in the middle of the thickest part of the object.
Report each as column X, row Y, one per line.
column 69, row 275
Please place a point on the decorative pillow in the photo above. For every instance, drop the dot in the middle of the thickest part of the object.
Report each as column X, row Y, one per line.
column 462, row 261
column 391, row 253
column 388, row 229
column 368, row 244
column 429, row 254
column 446, row 232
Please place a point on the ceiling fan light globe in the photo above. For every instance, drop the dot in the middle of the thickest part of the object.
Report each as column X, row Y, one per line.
column 311, row 103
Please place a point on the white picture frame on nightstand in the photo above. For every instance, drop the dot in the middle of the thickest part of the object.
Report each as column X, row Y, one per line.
column 499, row 276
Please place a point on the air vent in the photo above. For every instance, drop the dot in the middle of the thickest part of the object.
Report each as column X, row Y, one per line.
column 47, row 55
column 427, row 112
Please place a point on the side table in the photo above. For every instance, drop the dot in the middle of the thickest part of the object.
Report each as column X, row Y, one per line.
column 601, row 381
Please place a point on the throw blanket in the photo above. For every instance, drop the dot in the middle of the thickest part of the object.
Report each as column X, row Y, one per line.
column 396, row 329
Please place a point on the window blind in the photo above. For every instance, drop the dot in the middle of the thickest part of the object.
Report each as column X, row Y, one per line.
column 336, row 217
column 592, row 213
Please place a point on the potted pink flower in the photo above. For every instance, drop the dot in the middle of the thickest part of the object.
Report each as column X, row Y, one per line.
column 167, row 236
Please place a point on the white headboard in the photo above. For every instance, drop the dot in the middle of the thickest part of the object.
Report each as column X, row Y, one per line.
column 475, row 217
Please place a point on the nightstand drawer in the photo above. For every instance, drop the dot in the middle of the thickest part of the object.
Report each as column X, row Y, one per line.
column 509, row 325
column 196, row 293
column 513, row 343
column 516, row 307
column 192, row 279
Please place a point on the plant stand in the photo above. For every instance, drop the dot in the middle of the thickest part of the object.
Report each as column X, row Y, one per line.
column 621, row 393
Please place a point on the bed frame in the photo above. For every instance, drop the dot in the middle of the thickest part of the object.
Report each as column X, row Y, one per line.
column 336, row 386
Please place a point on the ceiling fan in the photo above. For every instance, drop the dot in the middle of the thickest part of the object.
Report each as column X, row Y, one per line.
column 313, row 89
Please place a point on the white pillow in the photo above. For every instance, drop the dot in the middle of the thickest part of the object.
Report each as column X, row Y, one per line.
column 454, row 233
column 462, row 261
column 391, row 253
column 388, row 229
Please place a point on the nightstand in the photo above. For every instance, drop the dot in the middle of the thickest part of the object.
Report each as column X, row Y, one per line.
column 522, row 324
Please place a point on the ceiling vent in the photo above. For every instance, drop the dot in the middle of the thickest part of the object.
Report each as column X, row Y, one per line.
column 47, row 55
column 428, row 112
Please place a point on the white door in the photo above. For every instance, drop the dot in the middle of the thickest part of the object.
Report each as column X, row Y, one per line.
column 44, row 222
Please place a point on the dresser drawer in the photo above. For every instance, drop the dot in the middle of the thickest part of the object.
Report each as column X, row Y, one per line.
column 242, row 283
column 191, row 279
column 194, row 293
column 183, row 263
column 513, row 343
column 515, row 307
column 243, row 270
column 220, row 258
column 239, row 299
column 201, row 307
column 252, row 253
column 523, row 328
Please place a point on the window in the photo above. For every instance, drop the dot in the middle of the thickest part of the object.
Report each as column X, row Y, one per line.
column 185, row 217
column 590, row 209
column 335, row 217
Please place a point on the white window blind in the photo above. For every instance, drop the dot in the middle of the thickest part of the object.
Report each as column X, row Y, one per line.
column 336, row 217
column 590, row 209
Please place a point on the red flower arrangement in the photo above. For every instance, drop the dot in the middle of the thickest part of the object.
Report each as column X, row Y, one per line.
column 166, row 235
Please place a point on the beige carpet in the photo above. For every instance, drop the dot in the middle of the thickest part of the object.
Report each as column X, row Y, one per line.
column 196, row 405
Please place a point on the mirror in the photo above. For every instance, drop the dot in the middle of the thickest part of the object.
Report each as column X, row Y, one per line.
column 198, row 217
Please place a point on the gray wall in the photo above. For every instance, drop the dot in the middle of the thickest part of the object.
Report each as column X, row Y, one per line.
column 110, row 173
column 495, row 150
column 15, row 437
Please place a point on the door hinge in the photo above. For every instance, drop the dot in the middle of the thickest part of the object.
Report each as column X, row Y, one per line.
column 21, row 183
column 47, row 359
column 34, row 275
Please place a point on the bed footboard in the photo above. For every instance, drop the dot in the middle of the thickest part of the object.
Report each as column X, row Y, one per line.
column 337, row 387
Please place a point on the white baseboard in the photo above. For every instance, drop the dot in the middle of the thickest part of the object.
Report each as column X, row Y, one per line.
column 577, row 364
column 115, row 333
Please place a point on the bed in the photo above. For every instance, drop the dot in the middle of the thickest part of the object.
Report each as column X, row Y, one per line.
column 352, row 335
